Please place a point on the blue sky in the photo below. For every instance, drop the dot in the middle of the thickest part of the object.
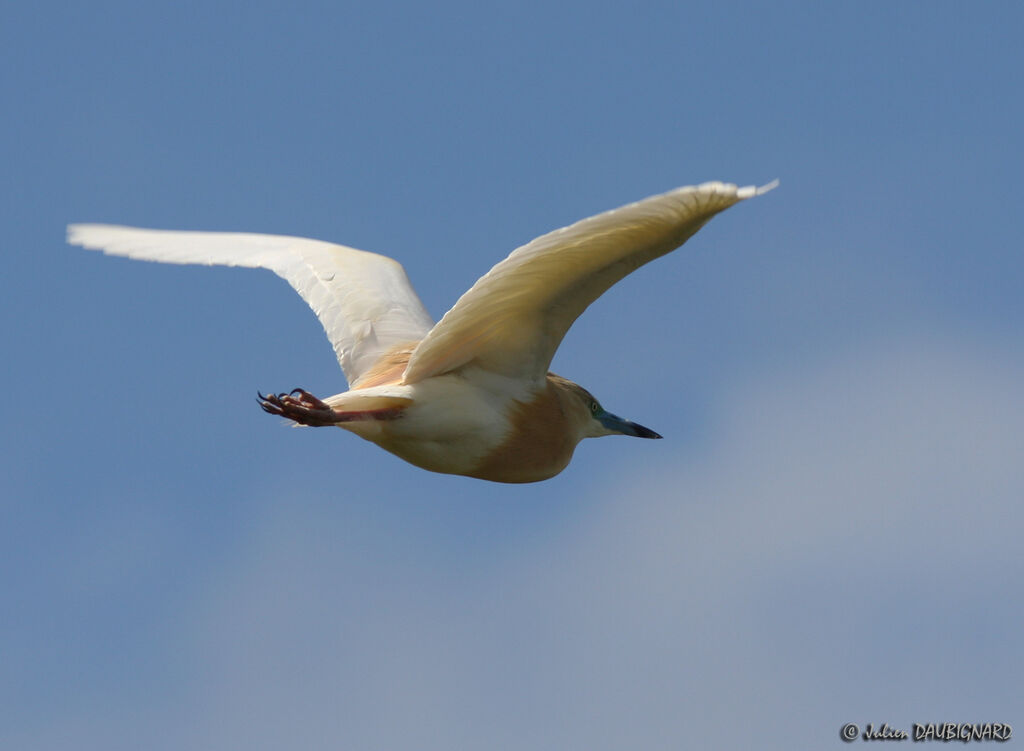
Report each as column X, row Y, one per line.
column 829, row 533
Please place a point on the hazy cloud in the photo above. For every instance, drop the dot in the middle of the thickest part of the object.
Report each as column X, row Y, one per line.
column 844, row 551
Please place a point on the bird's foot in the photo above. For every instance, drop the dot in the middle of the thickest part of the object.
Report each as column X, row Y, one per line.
column 300, row 406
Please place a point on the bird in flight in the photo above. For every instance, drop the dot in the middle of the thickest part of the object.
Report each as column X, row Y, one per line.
column 472, row 394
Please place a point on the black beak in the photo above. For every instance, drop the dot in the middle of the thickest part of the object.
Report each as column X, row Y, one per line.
column 626, row 427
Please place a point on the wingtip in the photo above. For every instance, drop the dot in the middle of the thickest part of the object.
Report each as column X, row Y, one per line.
column 749, row 191
column 77, row 234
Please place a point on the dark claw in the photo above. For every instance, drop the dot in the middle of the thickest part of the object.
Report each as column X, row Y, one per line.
column 299, row 406
column 270, row 404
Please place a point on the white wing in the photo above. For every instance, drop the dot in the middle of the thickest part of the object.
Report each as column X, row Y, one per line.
column 363, row 300
column 515, row 316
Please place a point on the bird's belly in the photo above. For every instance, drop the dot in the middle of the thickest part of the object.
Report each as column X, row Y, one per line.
column 479, row 453
column 446, row 457
column 444, row 430
column 467, row 426
column 513, row 442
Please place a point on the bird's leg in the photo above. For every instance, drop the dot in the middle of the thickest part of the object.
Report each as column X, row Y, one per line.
column 302, row 407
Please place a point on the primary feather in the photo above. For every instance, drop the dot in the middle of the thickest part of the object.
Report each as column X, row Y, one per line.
column 363, row 300
column 515, row 316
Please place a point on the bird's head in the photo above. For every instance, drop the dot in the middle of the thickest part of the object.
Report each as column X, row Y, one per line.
column 599, row 421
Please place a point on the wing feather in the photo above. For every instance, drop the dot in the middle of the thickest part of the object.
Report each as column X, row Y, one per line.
column 363, row 300
column 513, row 318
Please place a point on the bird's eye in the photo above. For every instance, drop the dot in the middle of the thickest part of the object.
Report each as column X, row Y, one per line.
column 594, row 407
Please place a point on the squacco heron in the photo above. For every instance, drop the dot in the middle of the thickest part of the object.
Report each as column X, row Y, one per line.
column 472, row 394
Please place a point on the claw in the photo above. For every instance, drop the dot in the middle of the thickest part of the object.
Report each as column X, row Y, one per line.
column 271, row 404
column 299, row 406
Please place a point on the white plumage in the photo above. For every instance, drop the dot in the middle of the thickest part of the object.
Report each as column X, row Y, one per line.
column 497, row 340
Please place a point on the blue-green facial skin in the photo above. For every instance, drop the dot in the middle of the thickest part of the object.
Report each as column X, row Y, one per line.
column 619, row 425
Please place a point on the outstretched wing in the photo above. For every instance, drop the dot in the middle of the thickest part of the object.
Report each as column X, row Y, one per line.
column 364, row 300
column 515, row 316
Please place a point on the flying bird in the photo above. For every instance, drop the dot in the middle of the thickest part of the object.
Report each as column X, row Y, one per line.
column 472, row 394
